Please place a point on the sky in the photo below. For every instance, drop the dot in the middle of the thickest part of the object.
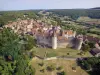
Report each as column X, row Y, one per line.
column 47, row 4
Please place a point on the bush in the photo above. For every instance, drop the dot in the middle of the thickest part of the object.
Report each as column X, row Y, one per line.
column 42, row 70
column 51, row 68
column 59, row 68
column 41, row 64
column 61, row 73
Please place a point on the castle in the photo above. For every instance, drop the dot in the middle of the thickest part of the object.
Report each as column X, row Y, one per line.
column 58, row 38
column 47, row 35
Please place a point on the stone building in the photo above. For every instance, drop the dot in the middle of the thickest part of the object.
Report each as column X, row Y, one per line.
column 95, row 52
column 57, row 38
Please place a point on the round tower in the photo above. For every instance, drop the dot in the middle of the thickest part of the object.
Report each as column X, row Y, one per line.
column 79, row 42
column 74, row 34
column 54, row 40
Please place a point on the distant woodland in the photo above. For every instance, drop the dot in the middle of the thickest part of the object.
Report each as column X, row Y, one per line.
column 75, row 13
column 6, row 16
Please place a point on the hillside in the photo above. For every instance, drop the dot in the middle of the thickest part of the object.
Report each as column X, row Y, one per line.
column 96, row 8
column 75, row 13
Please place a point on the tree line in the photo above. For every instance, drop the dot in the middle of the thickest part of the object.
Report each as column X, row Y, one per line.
column 75, row 13
column 6, row 16
column 92, row 65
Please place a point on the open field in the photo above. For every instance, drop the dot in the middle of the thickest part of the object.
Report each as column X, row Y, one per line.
column 65, row 64
column 59, row 52
column 88, row 20
column 95, row 35
column 95, row 29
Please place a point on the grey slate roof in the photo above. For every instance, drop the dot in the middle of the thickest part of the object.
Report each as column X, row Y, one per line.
column 95, row 51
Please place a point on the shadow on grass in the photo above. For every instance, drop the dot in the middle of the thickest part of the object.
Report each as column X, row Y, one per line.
column 91, row 71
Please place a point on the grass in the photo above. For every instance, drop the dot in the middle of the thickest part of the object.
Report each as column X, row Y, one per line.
column 95, row 35
column 95, row 29
column 65, row 64
column 86, row 19
column 59, row 52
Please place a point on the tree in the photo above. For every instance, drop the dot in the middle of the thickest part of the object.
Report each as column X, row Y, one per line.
column 7, row 68
column 91, row 44
column 9, row 43
column 1, row 23
column 50, row 68
column 92, row 64
column 81, row 31
column 54, row 23
column 61, row 73
column 85, row 47
column 32, row 54
column 31, row 42
column 13, row 60
column 23, row 68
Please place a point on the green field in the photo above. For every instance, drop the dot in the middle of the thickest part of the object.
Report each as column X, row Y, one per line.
column 94, row 35
column 88, row 19
column 59, row 52
column 95, row 29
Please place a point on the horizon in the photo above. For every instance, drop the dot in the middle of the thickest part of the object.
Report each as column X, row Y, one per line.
column 48, row 9
column 11, row 5
column 52, row 9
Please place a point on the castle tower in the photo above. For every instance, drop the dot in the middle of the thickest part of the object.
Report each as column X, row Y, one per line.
column 54, row 40
column 74, row 34
column 67, row 35
column 79, row 42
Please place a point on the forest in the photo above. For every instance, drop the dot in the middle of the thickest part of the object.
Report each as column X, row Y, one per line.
column 6, row 16
column 14, row 54
column 92, row 65
column 75, row 13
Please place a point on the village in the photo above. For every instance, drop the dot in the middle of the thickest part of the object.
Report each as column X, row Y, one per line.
column 50, row 36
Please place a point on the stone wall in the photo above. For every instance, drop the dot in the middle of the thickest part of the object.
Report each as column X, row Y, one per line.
column 62, row 45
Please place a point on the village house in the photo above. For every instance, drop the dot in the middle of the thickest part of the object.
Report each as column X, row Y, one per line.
column 96, row 51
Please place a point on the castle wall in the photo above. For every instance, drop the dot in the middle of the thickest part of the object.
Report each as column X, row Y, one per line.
column 44, row 41
column 62, row 45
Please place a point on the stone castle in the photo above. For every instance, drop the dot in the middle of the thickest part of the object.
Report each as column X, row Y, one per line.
column 58, row 38
column 47, row 35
